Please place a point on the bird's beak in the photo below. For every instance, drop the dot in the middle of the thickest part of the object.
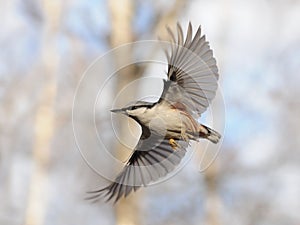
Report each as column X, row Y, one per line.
column 118, row 111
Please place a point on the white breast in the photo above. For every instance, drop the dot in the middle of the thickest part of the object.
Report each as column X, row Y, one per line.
column 162, row 119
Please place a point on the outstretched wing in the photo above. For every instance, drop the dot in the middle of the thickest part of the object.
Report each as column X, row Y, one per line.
column 192, row 71
column 152, row 159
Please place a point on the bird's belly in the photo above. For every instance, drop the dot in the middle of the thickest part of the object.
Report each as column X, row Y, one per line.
column 172, row 124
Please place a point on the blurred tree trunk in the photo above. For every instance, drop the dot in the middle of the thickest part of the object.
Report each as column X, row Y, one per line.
column 122, row 13
column 212, row 198
column 214, row 204
column 45, row 117
column 127, row 210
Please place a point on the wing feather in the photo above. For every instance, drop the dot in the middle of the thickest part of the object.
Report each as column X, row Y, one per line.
column 192, row 66
column 152, row 159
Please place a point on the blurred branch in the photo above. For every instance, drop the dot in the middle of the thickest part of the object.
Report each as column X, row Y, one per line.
column 169, row 18
column 33, row 9
column 163, row 19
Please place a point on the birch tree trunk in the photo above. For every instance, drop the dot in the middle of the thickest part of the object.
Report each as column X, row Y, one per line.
column 212, row 197
column 122, row 13
column 44, row 118
column 127, row 210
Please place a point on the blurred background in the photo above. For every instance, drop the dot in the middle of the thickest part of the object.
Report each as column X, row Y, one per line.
column 47, row 45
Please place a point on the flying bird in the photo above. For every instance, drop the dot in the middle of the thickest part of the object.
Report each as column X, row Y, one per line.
column 170, row 124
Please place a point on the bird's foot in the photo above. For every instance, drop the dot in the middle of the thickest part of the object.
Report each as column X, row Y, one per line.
column 173, row 144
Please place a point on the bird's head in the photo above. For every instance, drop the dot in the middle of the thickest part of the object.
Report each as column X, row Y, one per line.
column 134, row 111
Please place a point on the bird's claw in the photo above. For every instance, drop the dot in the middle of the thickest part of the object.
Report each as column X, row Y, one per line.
column 173, row 144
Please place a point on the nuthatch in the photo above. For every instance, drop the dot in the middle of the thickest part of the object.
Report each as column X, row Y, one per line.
column 169, row 124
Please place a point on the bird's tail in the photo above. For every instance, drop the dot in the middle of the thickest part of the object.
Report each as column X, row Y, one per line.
column 209, row 134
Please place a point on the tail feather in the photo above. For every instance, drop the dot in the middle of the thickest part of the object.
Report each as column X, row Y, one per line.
column 209, row 134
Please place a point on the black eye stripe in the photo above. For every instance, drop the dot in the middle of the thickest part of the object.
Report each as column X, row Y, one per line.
column 138, row 106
